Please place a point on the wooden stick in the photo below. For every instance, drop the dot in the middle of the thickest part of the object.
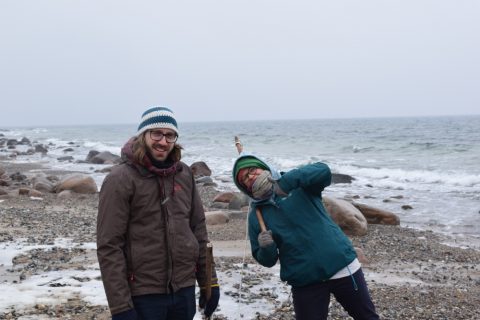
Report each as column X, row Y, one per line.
column 261, row 222
column 208, row 270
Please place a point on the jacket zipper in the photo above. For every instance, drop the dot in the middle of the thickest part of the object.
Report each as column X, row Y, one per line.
column 164, row 199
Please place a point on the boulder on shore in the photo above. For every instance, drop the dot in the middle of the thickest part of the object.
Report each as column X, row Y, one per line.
column 348, row 218
column 216, row 217
column 79, row 183
column 200, row 169
column 377, row 216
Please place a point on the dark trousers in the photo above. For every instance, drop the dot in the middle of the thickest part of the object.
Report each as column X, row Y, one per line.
column 175, row 306
column 311, row 302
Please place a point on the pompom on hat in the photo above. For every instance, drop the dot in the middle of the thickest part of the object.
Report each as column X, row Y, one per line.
column 156, row 118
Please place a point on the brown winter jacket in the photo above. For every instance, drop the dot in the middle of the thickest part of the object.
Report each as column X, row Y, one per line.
column 151, row 233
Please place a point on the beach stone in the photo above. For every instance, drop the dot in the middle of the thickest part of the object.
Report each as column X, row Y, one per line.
column 17, row 176
column 41, row 182
column 91, row 154
column 105, row 170
column 341, row 178
column 204, row 180
column 348, row 218
column 224, row 197
column 65, row 194
column 105, row 157
column 25, row 141
column 377, row 216
column 3, row 192
column 29, row 192
column 238, row 201
column 65, row 158
column 219, row 205
column 79, row 183
column 40, row 148
column 200, row 169
column 216, row 217
column 2, row 171
column 23, row 191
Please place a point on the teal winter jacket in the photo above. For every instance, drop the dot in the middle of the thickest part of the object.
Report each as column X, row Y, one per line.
column 310, row 246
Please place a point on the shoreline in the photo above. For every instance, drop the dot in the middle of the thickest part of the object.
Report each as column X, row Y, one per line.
column 465, row 241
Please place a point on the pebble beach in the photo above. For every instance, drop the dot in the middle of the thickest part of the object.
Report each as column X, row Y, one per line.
column 411, row 274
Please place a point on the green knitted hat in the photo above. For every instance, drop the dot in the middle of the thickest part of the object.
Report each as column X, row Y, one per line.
column 248, row 162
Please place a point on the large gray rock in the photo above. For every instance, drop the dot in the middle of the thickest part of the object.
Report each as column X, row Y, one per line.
column 377, row 216
column 216, row 217
column 224, row 197
column 200, row 169
column 341, row 178
column 79, row 183
column 41, row 148
column 105, row 157
column 349, row 218
column 238, row 201
column 40, row 182
column 91, row 154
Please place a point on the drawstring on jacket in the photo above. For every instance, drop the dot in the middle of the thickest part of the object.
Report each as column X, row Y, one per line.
column 353, row 279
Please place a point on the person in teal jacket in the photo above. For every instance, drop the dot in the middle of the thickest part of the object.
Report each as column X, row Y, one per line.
column 316, row 258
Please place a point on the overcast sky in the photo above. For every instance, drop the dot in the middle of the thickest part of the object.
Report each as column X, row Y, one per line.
column 100, row 62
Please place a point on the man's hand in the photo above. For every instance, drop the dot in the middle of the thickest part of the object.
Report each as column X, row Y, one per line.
column 265, row 239
column 210, row 305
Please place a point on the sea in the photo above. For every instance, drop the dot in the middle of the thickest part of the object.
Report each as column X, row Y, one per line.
column 424, row 169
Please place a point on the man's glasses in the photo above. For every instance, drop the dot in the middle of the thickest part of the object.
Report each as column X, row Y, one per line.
column 158, row 136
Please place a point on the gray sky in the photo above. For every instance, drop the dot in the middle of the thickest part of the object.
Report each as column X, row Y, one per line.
column 94, row 61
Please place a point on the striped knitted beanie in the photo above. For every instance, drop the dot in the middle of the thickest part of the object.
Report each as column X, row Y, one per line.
column 157, row 117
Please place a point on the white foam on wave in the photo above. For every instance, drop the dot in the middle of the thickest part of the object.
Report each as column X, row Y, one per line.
column 412, row 177
column 99, row 146
column 24, row 132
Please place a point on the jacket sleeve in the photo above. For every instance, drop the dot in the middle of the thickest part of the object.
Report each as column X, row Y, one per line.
column 267, row 257
column 313, row 178
column 112, row 225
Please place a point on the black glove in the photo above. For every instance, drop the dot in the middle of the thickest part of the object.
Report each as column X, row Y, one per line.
column 212, row 303
column 125, row 315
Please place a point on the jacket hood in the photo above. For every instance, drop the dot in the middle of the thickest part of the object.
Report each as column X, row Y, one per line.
column 275, row 175
column 127, row 151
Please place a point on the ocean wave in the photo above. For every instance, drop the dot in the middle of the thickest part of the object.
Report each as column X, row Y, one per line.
column 99, row 146
column 402, row 176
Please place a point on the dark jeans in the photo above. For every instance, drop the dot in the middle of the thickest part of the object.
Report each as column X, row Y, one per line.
column 311, row 302
column 176, row 306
